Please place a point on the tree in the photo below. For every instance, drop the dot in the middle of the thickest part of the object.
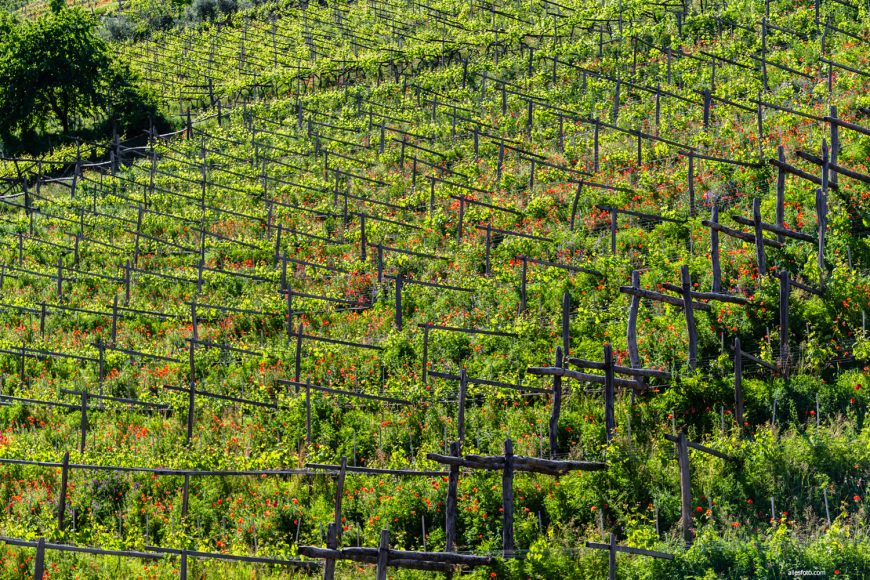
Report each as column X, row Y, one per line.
column 56, row 71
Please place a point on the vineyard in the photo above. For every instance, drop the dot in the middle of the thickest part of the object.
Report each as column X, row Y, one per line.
column 421, row 288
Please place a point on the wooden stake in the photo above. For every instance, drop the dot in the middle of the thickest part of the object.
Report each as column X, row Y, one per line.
column 507, row 496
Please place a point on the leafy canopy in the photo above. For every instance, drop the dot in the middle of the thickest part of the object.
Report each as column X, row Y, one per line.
column 56, row 73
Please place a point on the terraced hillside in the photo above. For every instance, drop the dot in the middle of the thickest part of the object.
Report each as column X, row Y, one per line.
column 598, row 270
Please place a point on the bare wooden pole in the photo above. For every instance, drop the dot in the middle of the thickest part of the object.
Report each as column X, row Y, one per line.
column 450, row 508
column 688, row 309
column 39, row 563
column 61, row 499
column 463, row 388
column 738, row 383
column 609, row 393
column 383, row 555
column 714, row 249
column 759, row 239
column 784, row 292
column 557, row 406
column 685, row 487
column 507, row 497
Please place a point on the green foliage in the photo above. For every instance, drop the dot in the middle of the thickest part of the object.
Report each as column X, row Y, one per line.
column 58, row 75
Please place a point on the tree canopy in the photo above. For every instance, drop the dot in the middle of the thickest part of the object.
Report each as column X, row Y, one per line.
column 57, row 75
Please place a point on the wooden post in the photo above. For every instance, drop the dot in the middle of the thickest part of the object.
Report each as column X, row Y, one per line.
column 61, row 498
column 191, row 393
column 611, row 558
column 59, row 279
column 595, row 146
column 424, row 370
column 707, row 104
column 613, row 220
column 566, row 323
column 835, row 145
column 780, row 192
column 759, row 240
column 461, row 217
column 523, row 285
column 691, row 181
column 822, row 213
column 278, row 242
column 115, row 319
column 138, row 231
column 398, row 316
column 332, row 544
column 308, row 409
column 362, row 237
column 185, row 497
column 609, row 394
column 463, row 387
column 574, row 204
column 339, row 495
column 101, row 357
column 488, row 266
column 298, row 350
column 615, row 115
column 383, row 555
column 685, row 487
column 39, row 563
column 450, row 508
column 714, row 249
column 557, row 407
column 127, row 283
column 738, row 383
column 633, row 353
column 507, row 496
column 83, row 422
column 689, row 311
column 760, row 132
column 784, row 291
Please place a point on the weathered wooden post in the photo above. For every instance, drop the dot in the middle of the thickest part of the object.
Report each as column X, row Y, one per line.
column 613, row 223
column 463, row 387
column 688, row 309
column 609, row 394
column 398, row 315
column 523, row 284
column 83, row 421
column 182, row 571
column 61, row 499
column 631, row 332
column 691, row 183
column 507, row 497
column 39, row 561
column 784, row 292
column 780, row 192
column 759, row 239
column 488, row 266
column 191, row 393
column 738, row 383
column 298, row 354
column 450, row 507
column 308, row 410
column 362, row 237
column 714, row 249
column 557, row 407
column 685, row 487
column 383, row 555
column 566, row 323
